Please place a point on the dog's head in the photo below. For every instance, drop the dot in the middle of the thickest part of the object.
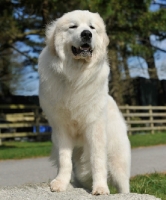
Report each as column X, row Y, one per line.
column 80, row 34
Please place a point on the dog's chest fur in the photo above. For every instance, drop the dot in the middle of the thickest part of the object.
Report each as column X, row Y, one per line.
column 76, row 104
column 75, row 96
column 75, row 101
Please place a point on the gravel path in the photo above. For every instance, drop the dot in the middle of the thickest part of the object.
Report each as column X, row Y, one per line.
column 148, row 160
column 42, row 192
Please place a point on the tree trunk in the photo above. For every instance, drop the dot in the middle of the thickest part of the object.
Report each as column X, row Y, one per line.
column 115, row 78
column 150, row 58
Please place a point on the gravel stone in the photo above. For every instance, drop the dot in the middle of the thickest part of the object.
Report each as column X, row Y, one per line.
column 42, row 192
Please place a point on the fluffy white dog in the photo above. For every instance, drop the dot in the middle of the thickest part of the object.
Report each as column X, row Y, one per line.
column 89, row 132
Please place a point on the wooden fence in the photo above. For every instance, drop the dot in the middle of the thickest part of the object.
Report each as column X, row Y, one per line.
column 28, row 120
column 144, row 118
column 21, row 121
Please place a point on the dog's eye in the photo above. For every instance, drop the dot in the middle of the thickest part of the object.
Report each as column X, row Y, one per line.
column 74, row 26
column 92, row 27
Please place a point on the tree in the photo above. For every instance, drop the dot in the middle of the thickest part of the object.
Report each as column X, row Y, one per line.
column 129, row 26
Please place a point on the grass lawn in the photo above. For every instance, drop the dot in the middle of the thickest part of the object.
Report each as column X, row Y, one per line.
column 152, row 184
column 144, row 140
column 19, row 150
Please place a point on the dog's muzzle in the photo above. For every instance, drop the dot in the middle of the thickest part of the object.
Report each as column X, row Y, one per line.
column 85, row 50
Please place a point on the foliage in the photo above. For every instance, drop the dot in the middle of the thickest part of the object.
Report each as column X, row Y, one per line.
column 129, row 26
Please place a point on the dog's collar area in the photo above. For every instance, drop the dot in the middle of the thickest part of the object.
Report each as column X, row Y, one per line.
column 84, row 50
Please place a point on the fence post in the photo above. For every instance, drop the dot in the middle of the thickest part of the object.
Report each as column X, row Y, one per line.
column 37, row 121
column 128, row 120
column 151, row 119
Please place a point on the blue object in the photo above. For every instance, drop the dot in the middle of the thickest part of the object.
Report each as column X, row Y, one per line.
column 42, row 129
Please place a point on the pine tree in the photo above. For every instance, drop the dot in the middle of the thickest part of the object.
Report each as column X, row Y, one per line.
column 129, row 26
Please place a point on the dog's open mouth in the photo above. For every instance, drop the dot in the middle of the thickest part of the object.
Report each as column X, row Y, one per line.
column 83, row 51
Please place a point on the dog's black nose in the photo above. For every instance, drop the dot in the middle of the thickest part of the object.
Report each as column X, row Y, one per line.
column 86, row 35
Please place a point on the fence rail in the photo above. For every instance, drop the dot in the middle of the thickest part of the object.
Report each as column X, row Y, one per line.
column 144, row 118
column 29, row 120
column 22, row 121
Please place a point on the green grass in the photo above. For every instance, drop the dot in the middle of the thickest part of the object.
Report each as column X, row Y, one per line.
column 143, row 140
column 152, row 184
column 20, row 150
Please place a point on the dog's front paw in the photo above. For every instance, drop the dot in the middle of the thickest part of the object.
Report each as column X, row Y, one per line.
column 98, row 190
column 58, row 185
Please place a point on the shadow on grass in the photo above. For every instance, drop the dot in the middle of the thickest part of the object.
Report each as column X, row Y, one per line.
column 7, row 147
column 26, row 145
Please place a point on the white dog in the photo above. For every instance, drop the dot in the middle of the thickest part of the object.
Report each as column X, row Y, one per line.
column 89, row 132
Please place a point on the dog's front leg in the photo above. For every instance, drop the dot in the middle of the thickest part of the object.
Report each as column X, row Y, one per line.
column 96, row 136
column 65, row 148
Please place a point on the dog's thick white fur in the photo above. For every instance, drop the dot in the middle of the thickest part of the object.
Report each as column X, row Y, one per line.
column 89, row 132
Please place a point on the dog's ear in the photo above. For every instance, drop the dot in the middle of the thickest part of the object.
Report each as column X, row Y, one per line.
column 50, row 36
column 54, row 39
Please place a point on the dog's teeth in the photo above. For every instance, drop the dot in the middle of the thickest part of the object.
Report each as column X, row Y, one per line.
column 85, row 49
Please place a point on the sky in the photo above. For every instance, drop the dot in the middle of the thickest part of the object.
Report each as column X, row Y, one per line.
column 28, row 82
column 138, row 66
